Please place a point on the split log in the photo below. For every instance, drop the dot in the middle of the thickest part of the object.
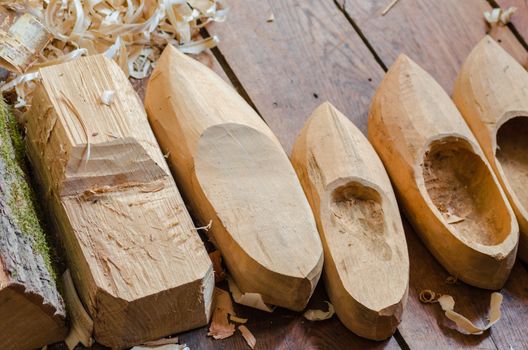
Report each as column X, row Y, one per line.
column 445, row 183
column 234, row 172
column 32, row 312
column 491, row 92
column 366, row 268
column 136, row 259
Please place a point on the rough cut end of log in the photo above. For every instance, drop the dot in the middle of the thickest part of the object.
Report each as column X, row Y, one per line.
column 32, row 311
column 491, row 92
column 447, row 187
column 136, row 259
column 366, row 261
column 234, row 172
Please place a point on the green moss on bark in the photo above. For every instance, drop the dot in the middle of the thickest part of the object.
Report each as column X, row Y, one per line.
column 21, row 198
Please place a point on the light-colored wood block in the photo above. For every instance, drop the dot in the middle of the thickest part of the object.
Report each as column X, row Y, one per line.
column 366, row 268
column 491, row 92
column 136, row 259
column 234, row 173
column 444, row 181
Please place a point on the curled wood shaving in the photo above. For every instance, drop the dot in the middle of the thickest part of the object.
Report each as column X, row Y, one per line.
column 427, row 296
column 271, row 18
column 131, row 32
column 499, row 16
column 253, row 300
column 81, row 322
column 320, row 315
column 162, row 347
column 220, row 327
column 237, row 319
column 162, row 341
column 206, row 227
column 464, row 325
column 248, row 336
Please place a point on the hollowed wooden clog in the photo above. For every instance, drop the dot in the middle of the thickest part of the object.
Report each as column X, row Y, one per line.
column 366, row 266
column 491, row 92
column 446, row 185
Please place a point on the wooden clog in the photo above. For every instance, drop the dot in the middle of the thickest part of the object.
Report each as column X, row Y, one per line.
column 491, row 92
column 235, row 173
column 366, row 268
column 444, row 181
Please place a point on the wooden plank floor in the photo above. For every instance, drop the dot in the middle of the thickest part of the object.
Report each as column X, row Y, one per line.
column 318, row 50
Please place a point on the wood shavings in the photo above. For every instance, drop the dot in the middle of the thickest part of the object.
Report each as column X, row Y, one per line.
column 389, row 7
column 448, row 303
column 464, row 325
column 131, row 32
column 162, row 347
column 81, row 323
column 219, row 272
column 271, row 18
column 206, row 227
column 220, row 327
column 320, row 315
column 452, row 218
column 427, row 296
column 162, row 341
column 107, row 97
column 248, row 336
column 499, row 16
column 237, row 319
column 253, row 300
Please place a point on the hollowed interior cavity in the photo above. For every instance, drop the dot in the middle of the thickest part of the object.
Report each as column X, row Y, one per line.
column 512, row 153
column 462, row 188
column 358, row 216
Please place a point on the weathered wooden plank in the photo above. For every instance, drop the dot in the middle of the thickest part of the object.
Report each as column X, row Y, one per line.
column 308, row 54
column 520, row 18
column 438, row 35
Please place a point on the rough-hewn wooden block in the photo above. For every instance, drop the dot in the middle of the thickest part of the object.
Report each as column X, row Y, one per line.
column 137, row 261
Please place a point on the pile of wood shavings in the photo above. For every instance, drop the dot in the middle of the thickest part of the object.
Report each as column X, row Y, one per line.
column 132, row 32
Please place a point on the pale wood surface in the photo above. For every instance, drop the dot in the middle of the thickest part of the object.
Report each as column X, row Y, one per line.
column 366, row 261
column 491, row 92
column 234, row 172
column 443, row 179
column 138, row 264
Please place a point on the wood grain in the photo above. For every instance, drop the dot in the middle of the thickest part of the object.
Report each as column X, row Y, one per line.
column 520, row 18
column 137, row 262
column 308, row 54
column 438, row 35
column 366, row 267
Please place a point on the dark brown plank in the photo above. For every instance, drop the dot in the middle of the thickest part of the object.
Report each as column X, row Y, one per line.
column 438, row 35
column 307, row 55
column 520, row 17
